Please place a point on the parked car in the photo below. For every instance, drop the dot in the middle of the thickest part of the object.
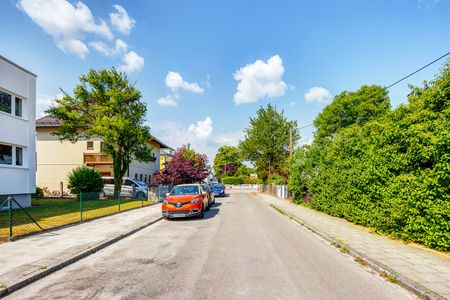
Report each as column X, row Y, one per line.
column 186, row 200
column 219, row 190
column 131, row 187
column 212, row 197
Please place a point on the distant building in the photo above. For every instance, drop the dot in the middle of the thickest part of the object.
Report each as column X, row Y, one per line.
column 166, row 155
column 56, row 159
column 17, row 132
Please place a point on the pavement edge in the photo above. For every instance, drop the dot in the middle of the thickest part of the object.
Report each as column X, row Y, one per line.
column 403, row 281
column 10, row 289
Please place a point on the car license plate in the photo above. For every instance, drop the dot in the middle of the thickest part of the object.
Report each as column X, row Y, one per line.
column 178, row 215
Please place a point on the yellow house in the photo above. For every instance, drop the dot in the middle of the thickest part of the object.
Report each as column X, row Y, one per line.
column 56, row 159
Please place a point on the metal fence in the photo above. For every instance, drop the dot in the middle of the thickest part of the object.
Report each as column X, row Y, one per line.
column 157, row 193
column 280, row 191
column 18, row 218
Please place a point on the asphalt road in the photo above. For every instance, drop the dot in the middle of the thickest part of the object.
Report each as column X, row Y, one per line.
column 243, row 249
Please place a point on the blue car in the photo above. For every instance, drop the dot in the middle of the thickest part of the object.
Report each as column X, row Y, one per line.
column 219, row 190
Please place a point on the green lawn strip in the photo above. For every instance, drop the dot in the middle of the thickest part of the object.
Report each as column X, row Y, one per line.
column 54, row 212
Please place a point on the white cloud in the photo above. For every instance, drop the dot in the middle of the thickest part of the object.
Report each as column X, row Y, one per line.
column 318, row 94
column 167, row 101
column 102, row 48
column 260, row 80
column 131, row 62
column 427, row 3
column 176, row 135
column 121, row 21
column 67, row 23
column 43, row 102
column 202, row 129
column 73, row 46
column 175, row 82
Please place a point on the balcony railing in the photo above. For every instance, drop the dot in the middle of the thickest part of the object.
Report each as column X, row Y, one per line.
column 97, row 158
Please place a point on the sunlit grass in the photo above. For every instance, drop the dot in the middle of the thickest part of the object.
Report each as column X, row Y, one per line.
column 55, row 212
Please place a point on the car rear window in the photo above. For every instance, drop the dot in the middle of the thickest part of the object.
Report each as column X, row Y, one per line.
column 185, row 190
column 219, row 186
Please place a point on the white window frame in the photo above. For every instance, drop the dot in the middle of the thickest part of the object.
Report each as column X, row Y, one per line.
column 13, row 159
column 13, row 105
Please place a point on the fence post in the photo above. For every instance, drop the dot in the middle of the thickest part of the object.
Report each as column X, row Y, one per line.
column 10, row 220
column 118, row 200
column 81, row 207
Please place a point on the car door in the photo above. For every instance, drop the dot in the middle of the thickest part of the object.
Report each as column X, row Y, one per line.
column 127, row 189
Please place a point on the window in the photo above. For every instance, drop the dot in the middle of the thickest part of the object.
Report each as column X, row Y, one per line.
column 128, row 182
column 145, row 180
column 140, row 177
column 135, row 176
column 90, row 145
column 102, row 147
column 19, row 156
column 5, row 154
column 5, row 102
column 18, row 107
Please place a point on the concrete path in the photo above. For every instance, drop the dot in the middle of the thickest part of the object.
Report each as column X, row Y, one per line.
column 428, row 268
column 242, row 249
column 25, row 258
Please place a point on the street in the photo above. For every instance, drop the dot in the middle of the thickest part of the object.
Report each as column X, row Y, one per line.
column 242, row 249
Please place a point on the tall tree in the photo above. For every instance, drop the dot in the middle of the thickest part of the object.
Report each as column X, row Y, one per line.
column 227, row 161
column 350, row 108
column 106, row 105
column 186, row 166
column 266, row 142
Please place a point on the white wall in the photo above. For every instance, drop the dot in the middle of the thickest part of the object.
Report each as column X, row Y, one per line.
column 18, row 131
column 147, row 168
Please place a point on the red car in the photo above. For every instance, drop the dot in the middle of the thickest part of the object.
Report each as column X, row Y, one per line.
column 186, row 200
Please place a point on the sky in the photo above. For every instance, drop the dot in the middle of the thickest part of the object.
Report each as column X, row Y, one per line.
column 205, row 67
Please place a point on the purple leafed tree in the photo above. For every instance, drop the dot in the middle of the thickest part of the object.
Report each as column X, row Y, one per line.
column 187, row 166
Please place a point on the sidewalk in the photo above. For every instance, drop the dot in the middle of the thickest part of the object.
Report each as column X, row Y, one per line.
column 421, row 266
column 33, row 257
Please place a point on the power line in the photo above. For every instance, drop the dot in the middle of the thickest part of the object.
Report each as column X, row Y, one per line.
column 400, row 80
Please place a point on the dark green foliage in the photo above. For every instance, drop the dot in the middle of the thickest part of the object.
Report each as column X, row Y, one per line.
column 266, row 142
column 391, row 173
column 86, row 180
column 107, row 106
column 38, row 194
column 232, row 180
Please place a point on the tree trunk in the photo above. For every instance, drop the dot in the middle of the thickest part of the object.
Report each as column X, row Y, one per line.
column 117, row 169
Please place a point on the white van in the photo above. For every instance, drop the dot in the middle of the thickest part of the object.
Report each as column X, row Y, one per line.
column 131, row 187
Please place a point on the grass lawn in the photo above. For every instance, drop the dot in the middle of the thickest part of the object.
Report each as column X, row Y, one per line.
column 54, row 212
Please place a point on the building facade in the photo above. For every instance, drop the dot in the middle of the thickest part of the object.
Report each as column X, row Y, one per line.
column 56, row 159
column 17, row 132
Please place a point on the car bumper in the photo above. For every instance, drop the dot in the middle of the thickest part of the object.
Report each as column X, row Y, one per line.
column 219, row 193
column 169, row 211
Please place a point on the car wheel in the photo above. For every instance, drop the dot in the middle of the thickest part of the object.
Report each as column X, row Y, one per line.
column 166, row 218
column 140, row 195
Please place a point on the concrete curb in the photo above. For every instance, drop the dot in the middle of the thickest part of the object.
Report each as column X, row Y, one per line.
column 36, row 276
column 372, row 263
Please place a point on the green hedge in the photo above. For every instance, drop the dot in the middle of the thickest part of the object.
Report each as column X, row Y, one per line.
column 391, row 173
column 232, row 180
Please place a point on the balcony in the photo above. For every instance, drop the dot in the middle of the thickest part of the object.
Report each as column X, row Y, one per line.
column 97, row 159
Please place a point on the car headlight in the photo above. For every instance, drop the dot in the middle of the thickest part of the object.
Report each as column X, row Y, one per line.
column 165, row 201
column 195, row 200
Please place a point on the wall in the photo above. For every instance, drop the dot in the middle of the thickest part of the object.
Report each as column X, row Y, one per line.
column 56, row 159
column 147, row 168
column 19, row 131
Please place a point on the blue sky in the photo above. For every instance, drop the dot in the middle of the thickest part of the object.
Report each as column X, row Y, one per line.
column 204, row 67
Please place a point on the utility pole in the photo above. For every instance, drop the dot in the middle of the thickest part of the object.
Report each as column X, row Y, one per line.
column 290, row 142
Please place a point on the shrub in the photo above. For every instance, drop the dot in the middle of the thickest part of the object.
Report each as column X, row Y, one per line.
column 86, row 180
column 232, row 180
column 250, row 180
column 39, row 193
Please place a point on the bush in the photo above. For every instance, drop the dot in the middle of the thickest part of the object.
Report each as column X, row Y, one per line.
column 86, row 180
column 391, row 173
column 232, row 180
column 39, row 193
column 250, row 180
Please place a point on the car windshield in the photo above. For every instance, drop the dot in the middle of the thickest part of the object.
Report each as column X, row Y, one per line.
column 218, row 186
column 185, row 190
column 141, row 183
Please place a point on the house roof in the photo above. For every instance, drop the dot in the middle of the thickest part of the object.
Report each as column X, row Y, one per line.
column 52, row 122
column 17, row 66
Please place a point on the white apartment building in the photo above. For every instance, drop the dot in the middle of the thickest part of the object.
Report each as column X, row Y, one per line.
column 17, row 132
